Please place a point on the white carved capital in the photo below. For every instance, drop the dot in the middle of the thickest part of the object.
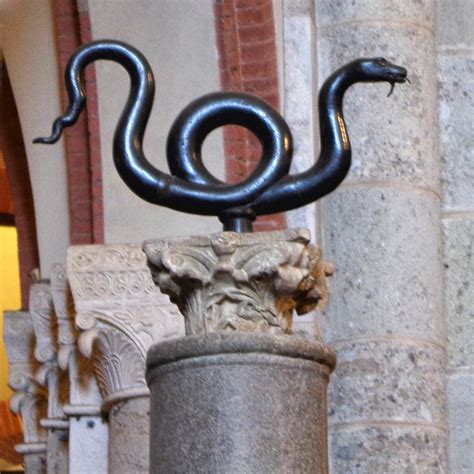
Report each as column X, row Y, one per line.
column 120, row 314
column 29, row 399
column 84, row 395
column 240, row 282
column 46, row 352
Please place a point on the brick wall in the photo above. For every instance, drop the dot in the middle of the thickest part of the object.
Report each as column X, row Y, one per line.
column 82, row 141
column 246, row 47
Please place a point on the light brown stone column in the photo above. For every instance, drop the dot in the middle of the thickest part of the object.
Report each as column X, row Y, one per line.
column 455, row 39
column 88, row 430
column 29, row 399
column 120, row 314
column 381, row 229
column 50, row 377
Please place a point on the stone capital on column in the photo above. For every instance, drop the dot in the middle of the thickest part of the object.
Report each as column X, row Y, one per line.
column 120, row 314
column 88, row 431
column 240, row 282
column 84, row 395
column 29, row 399
column 46, row 353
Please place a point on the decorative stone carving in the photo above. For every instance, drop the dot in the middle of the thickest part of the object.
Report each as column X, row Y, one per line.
column 50, row 376
column 120, row 314
column 84, row 398
column 88, row 432
column 46, row 352
column 30, row 399
column 240, row 282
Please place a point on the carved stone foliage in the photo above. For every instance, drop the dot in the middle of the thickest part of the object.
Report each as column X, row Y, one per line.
column 84, row 395
column 46, row 352
column 29, row 399
column 120, row 314
column 240, row 282
column 64, row 310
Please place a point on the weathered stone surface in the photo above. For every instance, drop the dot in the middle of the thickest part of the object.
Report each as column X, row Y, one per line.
column 410, row 449
column 88, row 434
column 50, row 376
column 29, row 399
column 392, row 379
column 299, row 82
column 332, row 12
column 130, row 420
column 393, row 138
column 456, row 103
column 459, row 268
column 240, row 282
column 88, row 443
column 454, row 24
column 120, row 314
column 460, row 390
column 388, row 279
column 243, row 403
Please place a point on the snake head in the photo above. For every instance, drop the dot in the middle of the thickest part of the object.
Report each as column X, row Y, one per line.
column 379, row 69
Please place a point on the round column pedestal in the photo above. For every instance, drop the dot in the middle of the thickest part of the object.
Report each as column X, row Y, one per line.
column 237, row 402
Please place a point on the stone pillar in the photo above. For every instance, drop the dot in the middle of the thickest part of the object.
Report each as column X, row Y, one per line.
column 455, row 35
column 238, row 393
column 120, row 314
column 30, row 399
column 88, row 431
column 382, row 229
column 299, row 83
column 50, row 377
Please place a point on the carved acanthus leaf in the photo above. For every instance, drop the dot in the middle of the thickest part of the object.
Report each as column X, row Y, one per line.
column 243, row 282
column 119, row 365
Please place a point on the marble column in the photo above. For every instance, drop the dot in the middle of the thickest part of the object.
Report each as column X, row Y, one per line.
column 50, row 377
column 239, row 393
column 455, row 40
column 120, row 314
column 381, row 228
column 29, row 399
column 88, row 430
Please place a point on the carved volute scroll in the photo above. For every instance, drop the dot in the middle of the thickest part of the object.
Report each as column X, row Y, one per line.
column 120, row 313
column 46, row 352
column 29, row 399
column 84, row 395
column 240, row 282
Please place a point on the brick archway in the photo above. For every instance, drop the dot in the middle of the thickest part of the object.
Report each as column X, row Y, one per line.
column 16, row 164
column 245, row 36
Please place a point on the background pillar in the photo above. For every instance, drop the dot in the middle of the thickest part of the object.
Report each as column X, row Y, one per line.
column 30, row 399
column 382, row 229
column 120, row 314
column 455, row 36
column 88, row 431
column 50, row 377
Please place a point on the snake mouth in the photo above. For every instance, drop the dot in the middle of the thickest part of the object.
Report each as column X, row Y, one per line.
column 397, row 74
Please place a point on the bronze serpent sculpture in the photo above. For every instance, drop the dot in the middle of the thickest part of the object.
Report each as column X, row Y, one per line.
column 191, row 187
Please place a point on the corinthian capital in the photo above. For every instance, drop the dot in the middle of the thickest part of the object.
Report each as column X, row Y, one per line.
column 120, row 313
column 240, row 282
column 29, row 399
